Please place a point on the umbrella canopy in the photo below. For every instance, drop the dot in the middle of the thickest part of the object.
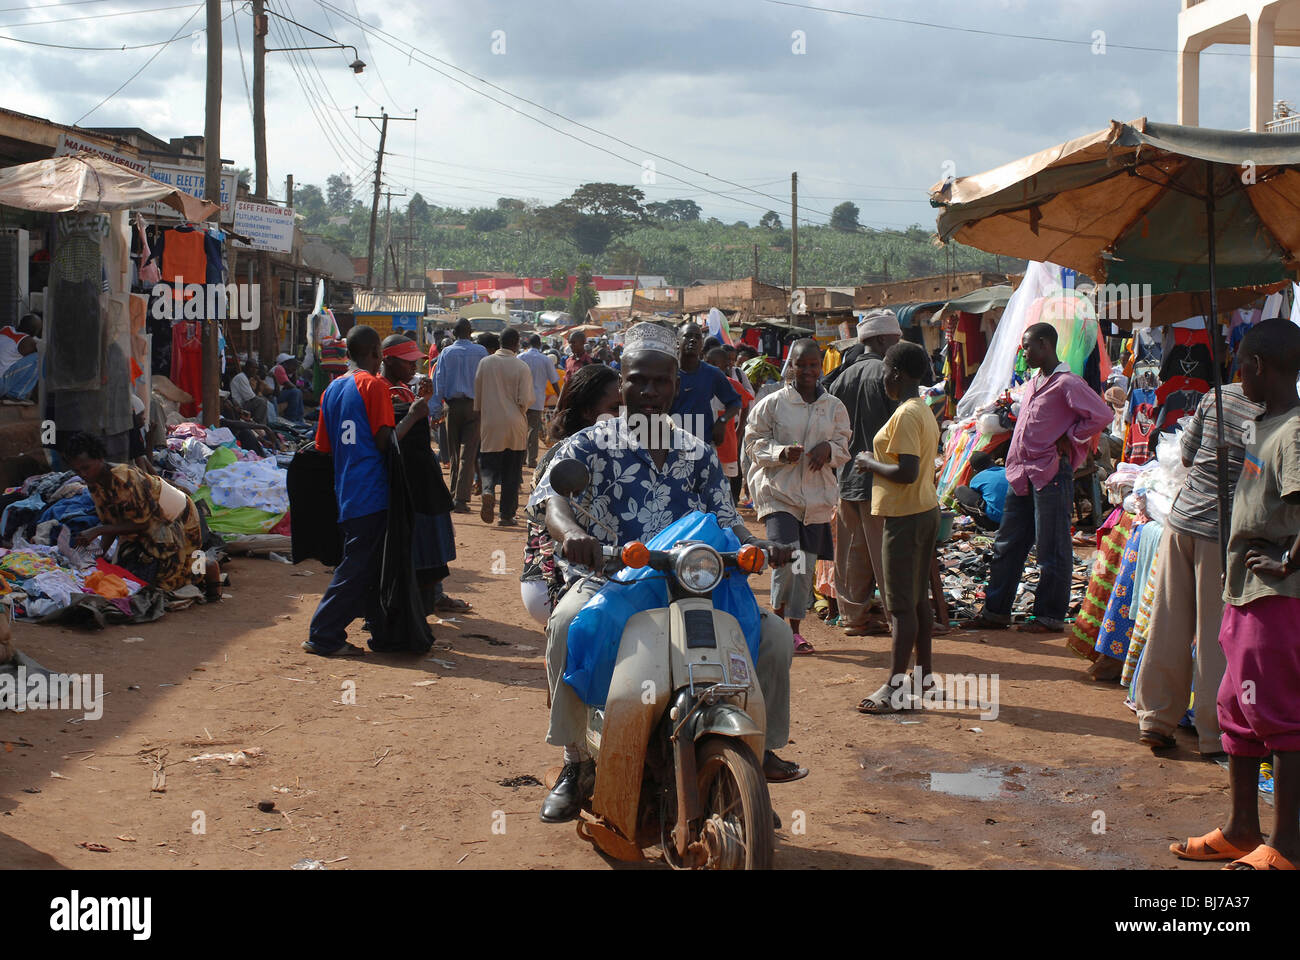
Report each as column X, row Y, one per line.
column 90, row 184
column 1127, row 205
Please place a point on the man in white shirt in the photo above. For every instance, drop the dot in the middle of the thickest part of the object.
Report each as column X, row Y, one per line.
column 544, row 372
column 245, row 394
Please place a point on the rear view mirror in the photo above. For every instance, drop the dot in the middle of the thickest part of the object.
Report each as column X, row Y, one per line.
column 569, row 477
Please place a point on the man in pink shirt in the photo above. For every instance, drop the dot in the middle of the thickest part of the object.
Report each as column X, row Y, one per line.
column 1060, row 415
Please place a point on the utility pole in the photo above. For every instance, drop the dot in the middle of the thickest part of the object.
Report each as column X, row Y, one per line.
column 379, row 172
column 794, row 232
column 212, row 192
column 288, row 190
column 388, row 235
column 268, row 290
column 756, row 263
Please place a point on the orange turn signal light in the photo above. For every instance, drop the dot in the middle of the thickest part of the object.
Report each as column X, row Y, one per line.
column 636, row 555
column 750, row 558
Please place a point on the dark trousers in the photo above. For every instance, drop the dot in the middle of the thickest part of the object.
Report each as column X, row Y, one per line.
column 534, row 435
column 1039, row 519
column 504, row 467
column 462, row 432
column 354, row 591
column 971, row 503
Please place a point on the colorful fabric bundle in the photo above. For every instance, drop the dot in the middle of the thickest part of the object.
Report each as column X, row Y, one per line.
column 1121, row 610
column 1142, row 626
column 1083, row 637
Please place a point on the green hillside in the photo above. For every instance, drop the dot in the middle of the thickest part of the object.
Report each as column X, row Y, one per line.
column 615, row 234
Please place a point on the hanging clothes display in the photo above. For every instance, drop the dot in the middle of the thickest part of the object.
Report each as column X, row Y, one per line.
column 967, row 347
column 187, row 362
column 74, row 323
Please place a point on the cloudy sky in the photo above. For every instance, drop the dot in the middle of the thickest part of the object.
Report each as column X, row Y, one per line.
column 715, row 100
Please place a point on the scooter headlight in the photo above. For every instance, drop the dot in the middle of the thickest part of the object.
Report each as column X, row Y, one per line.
column 699, row 568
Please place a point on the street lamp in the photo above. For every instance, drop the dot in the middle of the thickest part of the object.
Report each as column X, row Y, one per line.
column 357, row 65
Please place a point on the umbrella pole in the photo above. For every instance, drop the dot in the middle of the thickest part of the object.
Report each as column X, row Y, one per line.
column 1221, row 444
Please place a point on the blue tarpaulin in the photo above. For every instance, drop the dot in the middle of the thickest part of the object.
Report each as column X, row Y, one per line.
column 597, row 631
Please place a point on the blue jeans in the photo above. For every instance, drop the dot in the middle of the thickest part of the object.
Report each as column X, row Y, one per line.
column 292, row 398
column 354, row 591
column 1041, row 518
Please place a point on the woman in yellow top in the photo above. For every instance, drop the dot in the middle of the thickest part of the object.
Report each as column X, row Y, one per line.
column 903, row 492
column 158, row 525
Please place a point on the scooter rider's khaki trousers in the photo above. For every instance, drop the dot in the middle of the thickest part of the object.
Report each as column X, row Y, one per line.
column 569, row 714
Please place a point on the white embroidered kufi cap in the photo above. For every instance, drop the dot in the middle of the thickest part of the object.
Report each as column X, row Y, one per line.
column 649, row 337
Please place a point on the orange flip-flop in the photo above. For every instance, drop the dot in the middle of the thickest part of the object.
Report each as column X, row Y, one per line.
column 1212, row 846
column 1262, row 857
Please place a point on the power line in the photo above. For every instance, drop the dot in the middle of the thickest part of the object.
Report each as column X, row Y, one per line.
column 122, row 47
column 145, row 66
column 93, row 16
column 243, row 69
column 951, row 28
column 413, row 50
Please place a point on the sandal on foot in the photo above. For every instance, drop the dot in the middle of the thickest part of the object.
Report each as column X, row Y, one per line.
column 1034, row 626
column 801, row 646
column 448, row 604
column 1212, row 846
column 776, row 770
column 1157, row 741
column 1262, row 857
column 347, row 650
column 883, row 701
column 983, row 623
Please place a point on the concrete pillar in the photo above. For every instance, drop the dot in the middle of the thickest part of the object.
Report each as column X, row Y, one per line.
column 1189, row 86
column 1261, row 69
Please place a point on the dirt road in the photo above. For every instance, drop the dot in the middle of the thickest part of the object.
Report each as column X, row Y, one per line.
column 394, row 762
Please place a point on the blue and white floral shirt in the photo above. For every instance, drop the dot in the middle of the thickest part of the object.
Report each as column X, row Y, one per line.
column 629, row 498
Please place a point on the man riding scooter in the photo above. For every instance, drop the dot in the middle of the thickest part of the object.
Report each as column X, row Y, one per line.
column 645, row 473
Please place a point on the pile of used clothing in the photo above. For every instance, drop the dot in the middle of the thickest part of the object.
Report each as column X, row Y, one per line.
column 45, row 506
column 240, row 492
column 60, row 582
column 964, row 567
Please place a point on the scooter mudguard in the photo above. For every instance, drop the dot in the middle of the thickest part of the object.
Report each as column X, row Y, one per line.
column 726, row 720
column 639, row 693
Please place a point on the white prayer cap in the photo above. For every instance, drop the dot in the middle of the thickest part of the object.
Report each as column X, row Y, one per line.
column 651, row 338
column 879, row 323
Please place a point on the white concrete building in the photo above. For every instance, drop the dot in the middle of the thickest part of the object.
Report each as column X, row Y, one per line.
column 1261, row 24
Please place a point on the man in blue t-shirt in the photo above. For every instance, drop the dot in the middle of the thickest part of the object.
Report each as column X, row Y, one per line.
column 986, row 494
column 698, row 384
column 356, row 426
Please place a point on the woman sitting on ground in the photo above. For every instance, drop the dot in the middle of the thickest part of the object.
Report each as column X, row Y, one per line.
column 592, row 393
column 157, row 526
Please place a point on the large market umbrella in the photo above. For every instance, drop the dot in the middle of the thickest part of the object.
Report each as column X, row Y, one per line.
column 1167, row 208
column 89, row 184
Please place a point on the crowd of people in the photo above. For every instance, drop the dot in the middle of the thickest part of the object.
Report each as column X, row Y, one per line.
column 840, row 470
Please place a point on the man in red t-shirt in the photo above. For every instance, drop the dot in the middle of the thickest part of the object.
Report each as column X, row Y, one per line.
column 580, row 358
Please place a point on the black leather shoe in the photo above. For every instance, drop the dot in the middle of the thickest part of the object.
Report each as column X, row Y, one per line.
column 564, row 802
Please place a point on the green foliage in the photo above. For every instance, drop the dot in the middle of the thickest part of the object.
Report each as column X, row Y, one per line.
column 542, row 244
column 584, row 294
column 485, row 220
column 770, row 220
column 674, row 211
column 845, row 216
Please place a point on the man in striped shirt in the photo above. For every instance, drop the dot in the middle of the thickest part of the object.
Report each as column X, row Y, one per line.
column 1182, row 650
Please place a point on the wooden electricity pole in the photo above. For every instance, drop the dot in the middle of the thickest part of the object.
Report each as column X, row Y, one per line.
column 374, row 202
column 794, row 232
column 268, row 343
column 212, row 193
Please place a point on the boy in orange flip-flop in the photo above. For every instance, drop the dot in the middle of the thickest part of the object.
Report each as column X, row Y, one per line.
column 1259, row 698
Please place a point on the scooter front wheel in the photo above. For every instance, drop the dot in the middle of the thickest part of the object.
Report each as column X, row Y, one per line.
column 737, row 811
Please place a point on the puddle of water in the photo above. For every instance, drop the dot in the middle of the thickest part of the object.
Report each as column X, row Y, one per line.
column 981, row 783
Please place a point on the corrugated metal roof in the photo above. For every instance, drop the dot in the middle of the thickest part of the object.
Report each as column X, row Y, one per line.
column 369, row 301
